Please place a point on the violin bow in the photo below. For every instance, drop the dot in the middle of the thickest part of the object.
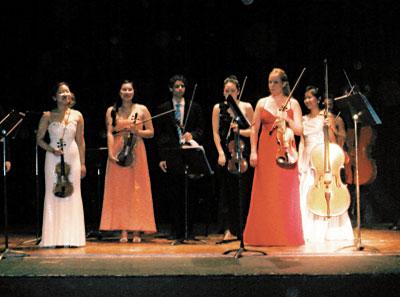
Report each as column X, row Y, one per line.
column 189, row 109
column 294, row 87
column 348, row 81
column 149, row 119
column 158, row 115
column 233, row 118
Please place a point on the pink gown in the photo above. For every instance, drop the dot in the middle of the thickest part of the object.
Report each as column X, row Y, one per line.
column 127, row 203
column 274, row 217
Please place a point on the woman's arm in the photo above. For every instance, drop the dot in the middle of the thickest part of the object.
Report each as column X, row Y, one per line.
column 216, row 136
column 110, row 136
column 80, row 141
column 148, row 129
column 254, row 132
column 248, row 113
column 41, row 133
column 297, row 123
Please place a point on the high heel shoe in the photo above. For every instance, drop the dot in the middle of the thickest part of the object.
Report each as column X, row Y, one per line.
column 124, row 237
column 136, row 237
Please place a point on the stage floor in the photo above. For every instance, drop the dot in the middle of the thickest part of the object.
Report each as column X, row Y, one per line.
column 156, row 255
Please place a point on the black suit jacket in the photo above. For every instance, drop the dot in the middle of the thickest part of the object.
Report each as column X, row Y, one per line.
column 167, row 136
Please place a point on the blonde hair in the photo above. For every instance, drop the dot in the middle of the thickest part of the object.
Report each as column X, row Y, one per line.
column 283, row 76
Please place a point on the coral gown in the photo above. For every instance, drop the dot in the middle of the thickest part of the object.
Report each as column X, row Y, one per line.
column 274, row 217
column 127, row 203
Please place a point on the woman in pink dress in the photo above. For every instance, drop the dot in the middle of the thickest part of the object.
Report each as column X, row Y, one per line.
column 274, row 217
column 127, row 203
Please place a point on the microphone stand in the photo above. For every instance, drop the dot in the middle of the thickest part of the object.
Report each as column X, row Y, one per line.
column 242, row 124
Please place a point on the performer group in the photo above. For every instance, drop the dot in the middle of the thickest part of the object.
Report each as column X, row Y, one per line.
column 271, row 190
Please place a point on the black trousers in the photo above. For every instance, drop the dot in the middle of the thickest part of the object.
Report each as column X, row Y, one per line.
column 179, row 208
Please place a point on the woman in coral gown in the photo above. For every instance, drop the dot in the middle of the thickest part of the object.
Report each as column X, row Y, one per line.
column 127, row 203
column 274, row 217
column 316, row 228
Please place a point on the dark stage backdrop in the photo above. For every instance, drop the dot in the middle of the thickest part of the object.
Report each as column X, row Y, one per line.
column 95, row 44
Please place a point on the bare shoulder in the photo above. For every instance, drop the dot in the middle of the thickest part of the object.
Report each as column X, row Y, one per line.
column 246, row 105
column 46, row 115
column 142, row 107
column 295, row 102
column 76, row 113
column 262, row 101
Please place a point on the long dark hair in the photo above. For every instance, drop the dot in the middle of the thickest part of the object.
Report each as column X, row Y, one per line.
column 118, row 102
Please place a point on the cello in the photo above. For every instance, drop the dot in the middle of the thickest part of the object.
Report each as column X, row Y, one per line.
column 365, row 139
column 328, row 196
column 366, row 165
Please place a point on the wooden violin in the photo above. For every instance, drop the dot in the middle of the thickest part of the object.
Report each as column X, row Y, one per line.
column 237, row 164
column 63, row 187
column 126, row 156
column 286, row 155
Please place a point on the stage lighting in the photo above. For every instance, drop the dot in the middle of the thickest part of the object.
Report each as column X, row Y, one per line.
column 247, row 2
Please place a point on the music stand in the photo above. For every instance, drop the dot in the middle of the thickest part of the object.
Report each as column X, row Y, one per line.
column 243, row 123
column 196, row 165
column 356, row 109
column 7, row 126
column 97, row 200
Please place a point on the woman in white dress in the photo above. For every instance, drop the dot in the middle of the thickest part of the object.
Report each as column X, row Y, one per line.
column 317, row 228
column 63, row 217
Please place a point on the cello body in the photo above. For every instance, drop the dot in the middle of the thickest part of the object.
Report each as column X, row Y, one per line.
column 367, row 169
column 328, row 196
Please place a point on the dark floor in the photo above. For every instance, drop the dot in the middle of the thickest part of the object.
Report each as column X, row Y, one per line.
column 105, row 267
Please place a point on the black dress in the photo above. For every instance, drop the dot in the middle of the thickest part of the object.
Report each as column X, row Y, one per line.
column 233, row 188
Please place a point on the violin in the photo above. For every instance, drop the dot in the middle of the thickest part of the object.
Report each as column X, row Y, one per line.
column 237, row 163
column 286, row 155
column 63, row 187
column 126, row 156
column 328, row 196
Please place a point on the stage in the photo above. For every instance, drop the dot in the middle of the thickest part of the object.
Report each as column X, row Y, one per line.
column 154, row 267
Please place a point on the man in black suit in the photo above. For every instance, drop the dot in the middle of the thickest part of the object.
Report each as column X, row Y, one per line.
column 181, row 127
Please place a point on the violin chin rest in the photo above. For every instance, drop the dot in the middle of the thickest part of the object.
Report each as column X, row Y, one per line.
column 282, row 162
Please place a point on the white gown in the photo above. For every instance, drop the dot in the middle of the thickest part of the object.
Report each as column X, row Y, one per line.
column 317, row 228
column 63, row 218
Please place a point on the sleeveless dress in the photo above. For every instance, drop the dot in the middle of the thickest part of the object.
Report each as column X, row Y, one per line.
column 317, row 228
column 127, row 203
column 63, row 218
column 274, row 217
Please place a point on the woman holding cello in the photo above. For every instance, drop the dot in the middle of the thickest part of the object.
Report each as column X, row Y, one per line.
column 322, row 227
column 274, row 216
column 224, row 132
